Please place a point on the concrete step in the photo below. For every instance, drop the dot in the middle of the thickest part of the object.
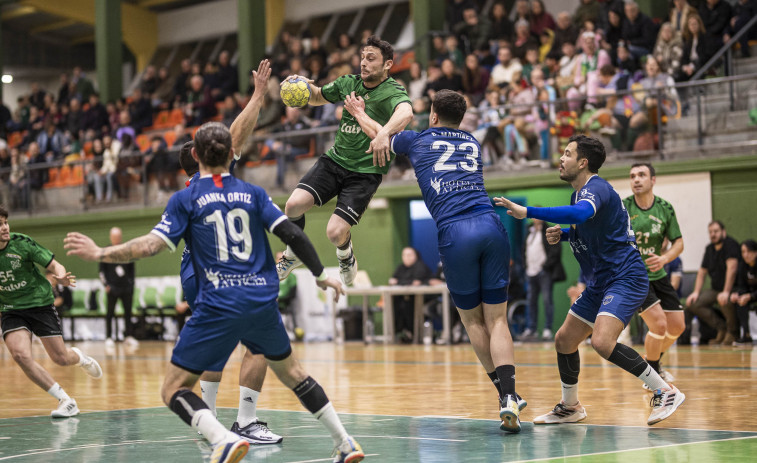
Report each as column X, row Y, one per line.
column 733, row 121
column 693, row 142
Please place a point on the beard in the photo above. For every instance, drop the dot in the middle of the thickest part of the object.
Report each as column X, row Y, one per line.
column 568, row 177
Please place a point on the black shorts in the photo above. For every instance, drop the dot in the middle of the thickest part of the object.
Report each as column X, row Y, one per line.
column 662, row 291
column 42, row 321
column 354, row 190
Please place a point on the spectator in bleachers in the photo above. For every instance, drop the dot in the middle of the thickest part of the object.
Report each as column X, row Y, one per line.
column 56, row 117
column 438, row 49
column 543, row 114
column 127, row 166
column 82, row 84
column 180, row 136
column 285, row 150
column 316, row 49
column 52, row 140
column 111, row 150
column 546, row 40
column 608, row 5
column 161, row 164
column 656, row 79
column 199, row 102
column 744, row 294
column 37, row 96
column 95, row 179
column 37, row 177
column 346, row 47
column 18, row 180
column 487, row 131
column 639, row 32
column 587, row 71
column 475, row 79
column 140, row 111
column 163, row 95
column 500, row 25
column 212, row 80
column 96, row 116
column 316, row 69
column 625, row 60
column 523, row 39
column 36, row 124
column 679, row 15
column 75, row 117
column 412, row 271
column 124, row 127
column 181, row 84
column 588, row 10
column 530, row 62
column 454, row 11
column 452, row 51
column 522, row 10
column 485, row 57
column 22, row 113
column 113, row 116
column 565, row 31
column 64, row 90
column 613, row 34
column 418, row 81
column 743, row 11
column 449, row 79
column 230, row 110
column 5, row 173
column 472, row 30
column 716, row 17
column 507, row 66
column 567, row 64
column 694, row 48
column 540, row 18
column 668, row 50
column 420, row 115
column 150, row 80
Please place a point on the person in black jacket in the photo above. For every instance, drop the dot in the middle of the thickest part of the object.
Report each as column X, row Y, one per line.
column 716, row 16
column 543, row 269
column 743, row 11
column 745, row 292
column 638, row 31
column 118, row 280
column 411, row 272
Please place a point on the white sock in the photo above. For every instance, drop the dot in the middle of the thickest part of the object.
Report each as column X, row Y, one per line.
column 209, row 393
column 344, row 253
column 204, row 421
column 652, row 379
column 569, row 393
column 328, row 417
column 58, row 392
column 248, row 404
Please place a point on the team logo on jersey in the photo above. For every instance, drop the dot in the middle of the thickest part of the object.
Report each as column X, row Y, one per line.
column 367, row 97
column 351, row 128
column 15, row 264
column 165, row 224
column 586, row 194
column 608, row 299
column 436, row 184
column 656, row 228
column 212, row 277
column 651, row 217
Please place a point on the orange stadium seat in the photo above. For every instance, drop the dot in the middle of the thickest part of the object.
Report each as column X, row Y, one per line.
column 53, row 178
column 162, row 120
column 143, row 141
column 15, row 139
column 169, row 137
column 176, row 117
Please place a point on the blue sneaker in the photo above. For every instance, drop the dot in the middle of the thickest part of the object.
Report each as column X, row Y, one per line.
column 348, row 451
column 230, row 451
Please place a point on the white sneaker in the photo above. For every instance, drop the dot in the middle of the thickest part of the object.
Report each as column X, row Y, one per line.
column 546, row 335
column 89, row 364
column 348, row 269
column 349, row 451
column 66, row 408
column 109, row 343
column 667, row 376
column 563, row 414
column 509, row 413
column 285, row 266
column 131, row 342
column 231, row 450
column 664, row 402
column 256, row 432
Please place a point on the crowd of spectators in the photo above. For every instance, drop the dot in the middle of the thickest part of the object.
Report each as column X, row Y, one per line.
column 511, row 66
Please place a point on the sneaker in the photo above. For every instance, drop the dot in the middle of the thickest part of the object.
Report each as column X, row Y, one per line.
column 231, row 450
column 521, row 402
column 256, row 432
column 348, row 451
column 743, row 341
column 89, row 364
column 66, row 408
column 509, row 413
column 131, row 342
column 546, row 335
column 563, row 414
column 664, row 402
column 667, row 376
column 526, row 334
column 285, row 266
column 348, row 269
column 109, row 343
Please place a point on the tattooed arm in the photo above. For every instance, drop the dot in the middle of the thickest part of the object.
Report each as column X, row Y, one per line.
column 83, row 246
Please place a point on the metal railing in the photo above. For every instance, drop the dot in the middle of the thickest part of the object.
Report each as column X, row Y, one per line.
column 727, row 50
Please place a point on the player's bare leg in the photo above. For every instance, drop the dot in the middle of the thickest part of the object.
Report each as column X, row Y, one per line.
column 657, row 323
column 299, row 202
column 251, row 377
column 338, row 232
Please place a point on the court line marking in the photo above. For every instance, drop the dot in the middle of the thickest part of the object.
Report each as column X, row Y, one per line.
column 330, row 459
column 89, row 446
column 368, row 436
column 583, row 455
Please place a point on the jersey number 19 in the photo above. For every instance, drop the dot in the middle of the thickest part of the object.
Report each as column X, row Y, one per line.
column 237, row 223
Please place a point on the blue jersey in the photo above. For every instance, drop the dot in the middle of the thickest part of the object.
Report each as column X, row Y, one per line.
column 604, row 245
column 224, row 221
column 447, row 163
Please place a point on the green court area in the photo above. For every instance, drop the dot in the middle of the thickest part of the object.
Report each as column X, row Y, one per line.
column 156, row 434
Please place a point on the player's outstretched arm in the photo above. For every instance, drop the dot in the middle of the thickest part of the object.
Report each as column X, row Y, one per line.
column 244, row 124
column 316, row 96
column 402, row 116
column 294, row 237
column 83, row 246
column 58, row 272
column 355, row 105
column 515, row 210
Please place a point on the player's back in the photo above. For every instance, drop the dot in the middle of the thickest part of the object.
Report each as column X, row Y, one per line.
column 604, row 245
column 447, row 164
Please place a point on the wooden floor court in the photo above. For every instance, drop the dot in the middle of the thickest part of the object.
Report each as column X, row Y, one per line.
column 402, row 403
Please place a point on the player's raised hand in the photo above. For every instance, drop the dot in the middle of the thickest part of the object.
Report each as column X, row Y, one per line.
column 295, row 76
column 261, row 77
column 554, row 234
column 382, row 155
column 354, row 104
column 81, row 245
column 333, row 283
column 515, row 210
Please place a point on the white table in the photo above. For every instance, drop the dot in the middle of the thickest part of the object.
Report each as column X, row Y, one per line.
column 418, row 291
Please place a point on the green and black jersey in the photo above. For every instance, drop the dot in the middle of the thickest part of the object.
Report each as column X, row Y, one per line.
column 351, row 144
column 22, row 284
column 652, row 226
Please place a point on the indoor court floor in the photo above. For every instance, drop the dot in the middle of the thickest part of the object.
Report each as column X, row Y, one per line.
column 402, row 403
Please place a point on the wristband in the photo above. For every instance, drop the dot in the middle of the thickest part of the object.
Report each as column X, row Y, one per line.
column 322, row 277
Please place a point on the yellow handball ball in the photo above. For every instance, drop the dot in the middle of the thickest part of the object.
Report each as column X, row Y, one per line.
column 295, row 92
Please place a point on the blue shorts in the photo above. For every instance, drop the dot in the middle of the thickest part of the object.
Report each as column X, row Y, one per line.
column 211, row 335
column 619, row 299
column 475, row 254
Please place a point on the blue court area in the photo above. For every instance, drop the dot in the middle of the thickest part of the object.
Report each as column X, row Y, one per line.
column 156, row 434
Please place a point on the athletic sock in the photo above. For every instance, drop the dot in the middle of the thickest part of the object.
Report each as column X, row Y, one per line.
column 569, row 393
column 209, row 391
column 570, row 367
column 655, row 364
column 344, row 250
column 652, row 379
column 58, row 392
column 313, row 397
column 495, row 380
column 248, row 402
column 330, row 420
column 630, row 360
column 506, row 375
column 299, row 221
column 193, row 411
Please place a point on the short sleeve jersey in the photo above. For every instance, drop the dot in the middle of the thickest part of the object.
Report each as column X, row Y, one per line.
column 447, row 165
column 224, row 221
column 351, row 143
column 652, row 226
column 22, row 284
column 715, row 261
column 604, row 245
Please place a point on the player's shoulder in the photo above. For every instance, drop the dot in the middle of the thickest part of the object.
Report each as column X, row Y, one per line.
column 20, row 238
column 664, row 205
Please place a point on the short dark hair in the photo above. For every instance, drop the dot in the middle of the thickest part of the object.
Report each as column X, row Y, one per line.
column 750, row 245
column 590, row 149
column 608, row 70
column 387, row 51
column 450, row 107
column 186, row 161
column 720, row 224
column 648, row 165
column 213, row 144
column 3, row 211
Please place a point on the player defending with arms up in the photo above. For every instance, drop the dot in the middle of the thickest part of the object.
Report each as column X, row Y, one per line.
column 348, row 170
column 473, row 243
column 603, row 242
column 26, row 304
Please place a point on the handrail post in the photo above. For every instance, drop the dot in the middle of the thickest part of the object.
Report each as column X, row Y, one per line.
column 700, row 135
column 729, row 72
column 660, row 137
